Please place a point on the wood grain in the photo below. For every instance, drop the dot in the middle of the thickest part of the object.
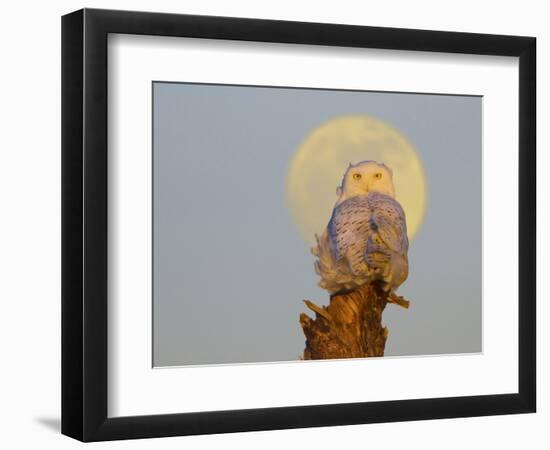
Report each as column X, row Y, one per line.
column 350, row 326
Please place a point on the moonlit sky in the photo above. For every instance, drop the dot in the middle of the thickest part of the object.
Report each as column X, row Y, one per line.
column 230, row 268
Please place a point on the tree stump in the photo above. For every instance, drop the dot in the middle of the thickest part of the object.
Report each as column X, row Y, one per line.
column 350, row 326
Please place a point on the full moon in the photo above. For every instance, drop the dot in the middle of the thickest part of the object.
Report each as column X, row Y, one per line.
column 318, row 165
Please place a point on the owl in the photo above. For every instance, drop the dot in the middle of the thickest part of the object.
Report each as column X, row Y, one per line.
column 365, row 240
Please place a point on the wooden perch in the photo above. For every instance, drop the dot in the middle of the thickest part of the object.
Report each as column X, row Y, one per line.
column 350, row 326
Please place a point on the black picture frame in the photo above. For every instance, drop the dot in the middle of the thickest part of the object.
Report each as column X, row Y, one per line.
column 84, row 224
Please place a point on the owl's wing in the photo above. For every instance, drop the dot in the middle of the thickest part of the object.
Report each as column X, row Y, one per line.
column 348, row 232
column 366, row 239
column 387, row 219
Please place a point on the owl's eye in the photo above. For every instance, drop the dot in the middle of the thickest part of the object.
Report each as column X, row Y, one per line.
column 356, row 176
column 378, row 175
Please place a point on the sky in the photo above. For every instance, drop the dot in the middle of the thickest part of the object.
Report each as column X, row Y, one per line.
column 230, row 268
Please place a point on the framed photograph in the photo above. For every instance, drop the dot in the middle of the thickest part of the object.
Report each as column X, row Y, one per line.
column 273, row 224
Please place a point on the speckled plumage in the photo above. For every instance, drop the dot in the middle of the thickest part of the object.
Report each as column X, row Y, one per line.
column 365, row 239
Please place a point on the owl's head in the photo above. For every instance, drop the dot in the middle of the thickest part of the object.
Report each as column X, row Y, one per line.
column 365, row 177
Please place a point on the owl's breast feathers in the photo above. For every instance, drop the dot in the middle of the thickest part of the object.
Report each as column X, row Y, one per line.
column 365, row 240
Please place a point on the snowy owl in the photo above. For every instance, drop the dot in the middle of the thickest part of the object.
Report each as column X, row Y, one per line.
column 366, row 238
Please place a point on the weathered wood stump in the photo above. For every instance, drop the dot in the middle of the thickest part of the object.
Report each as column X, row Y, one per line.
column 350, row 326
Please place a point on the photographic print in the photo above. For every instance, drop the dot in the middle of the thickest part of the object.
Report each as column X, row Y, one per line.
column 298, row 224
column 285, row 204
